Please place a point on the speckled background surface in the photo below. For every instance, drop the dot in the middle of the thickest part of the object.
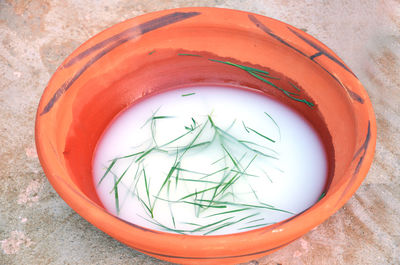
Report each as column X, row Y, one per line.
column 37, row 227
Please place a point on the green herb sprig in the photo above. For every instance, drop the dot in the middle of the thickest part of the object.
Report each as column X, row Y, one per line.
column 212, row 188
column 261, row 75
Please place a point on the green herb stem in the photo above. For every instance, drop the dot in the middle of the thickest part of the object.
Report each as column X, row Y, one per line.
column 188, row 94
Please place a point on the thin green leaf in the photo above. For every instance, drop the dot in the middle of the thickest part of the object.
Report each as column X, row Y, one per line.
column 295, row 87
column 188, row 94
column 235, row 163
column 254, row 226
column 194, row 139
column 246, row 205
column 177, row 138
column 191, row 224
column 256, row 220
column 192, row 203
column 198, row 192
column 147, row 186
column 231, row 125
column 268, row 76
column 107, row 171
column 218, row 160
column 236, row 176
column 215, row 172
column 146, row 207
column 247, row 217
column 219, row 228
column 189, row 54
column 232, row 211
column 153, row 221
column 116, row 197
column 209, row 225
column 120, row 178
column 128, row 156
column 260, row 134
column 244, row 173
column 322, row 195
column 150, row 119
column 145, row 154
column 276, row 124
column 244, row 125
column 199, row 181
column 243, row 67
column 162, row 117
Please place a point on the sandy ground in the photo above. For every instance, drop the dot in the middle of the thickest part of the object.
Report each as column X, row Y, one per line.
column 37, row 227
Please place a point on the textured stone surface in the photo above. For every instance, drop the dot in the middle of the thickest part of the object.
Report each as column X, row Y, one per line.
column 37, row 227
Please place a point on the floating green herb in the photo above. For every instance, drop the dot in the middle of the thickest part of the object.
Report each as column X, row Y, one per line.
column 245, row 127
column 120, row 178
column 154, row 221
column 255, row 226
column 243, row 67
column 261, row 75
column 232, row 211
column 256, row 220
column 272, row 119
column 215, row 172
column 162, row 117
column 322, row 195
column 212, row 224
column 189, row 94
column 108, row 170
column 218, row 160
column 219, row 228
column 116, row 197
column 260, row 134
column 147, row 186
column 268, row 76
column 213, row 195
column 145, row 154
column 189, row 54
column 295, row 87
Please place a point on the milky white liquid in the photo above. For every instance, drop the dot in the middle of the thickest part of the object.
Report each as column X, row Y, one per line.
column 291, row 179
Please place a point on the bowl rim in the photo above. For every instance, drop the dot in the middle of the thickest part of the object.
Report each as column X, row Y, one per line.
column 279, row 232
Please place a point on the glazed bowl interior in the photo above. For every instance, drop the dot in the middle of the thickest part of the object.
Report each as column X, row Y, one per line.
column 153, row 53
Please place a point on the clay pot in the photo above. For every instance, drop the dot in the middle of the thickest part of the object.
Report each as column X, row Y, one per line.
column 152, row 53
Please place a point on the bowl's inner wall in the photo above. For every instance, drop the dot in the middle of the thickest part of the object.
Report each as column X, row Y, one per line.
column 126, row 75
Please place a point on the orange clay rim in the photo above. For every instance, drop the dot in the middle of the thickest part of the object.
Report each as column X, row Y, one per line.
column 162, row 244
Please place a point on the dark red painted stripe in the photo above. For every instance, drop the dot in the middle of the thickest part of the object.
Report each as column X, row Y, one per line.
column 267, row 30
column 141, row 28
column 114, row 43
column 363, row 151
column 321, row 50
column 315, row 55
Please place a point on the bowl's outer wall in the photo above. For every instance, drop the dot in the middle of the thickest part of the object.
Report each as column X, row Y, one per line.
column 139, row 57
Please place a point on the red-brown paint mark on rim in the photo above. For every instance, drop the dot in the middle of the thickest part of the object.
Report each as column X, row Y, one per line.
column 267, row 30
column 142, row 28
column 117, row 40
column 321, row 51
column 362, row 149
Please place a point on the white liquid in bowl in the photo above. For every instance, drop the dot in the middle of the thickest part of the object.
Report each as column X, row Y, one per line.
column 211, row 160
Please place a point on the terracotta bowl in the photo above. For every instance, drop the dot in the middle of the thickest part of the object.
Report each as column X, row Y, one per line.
column 159, row 51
